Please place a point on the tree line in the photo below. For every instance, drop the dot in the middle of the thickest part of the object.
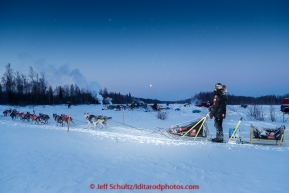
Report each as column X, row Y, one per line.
column 239, row 100
column 33, row 89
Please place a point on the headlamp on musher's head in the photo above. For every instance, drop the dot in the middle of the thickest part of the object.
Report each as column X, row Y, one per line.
column 218, row 86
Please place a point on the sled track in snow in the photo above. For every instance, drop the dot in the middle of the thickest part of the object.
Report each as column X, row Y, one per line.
column 124, row 134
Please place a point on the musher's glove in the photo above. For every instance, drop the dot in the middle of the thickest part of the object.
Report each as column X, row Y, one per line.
column 211, row 115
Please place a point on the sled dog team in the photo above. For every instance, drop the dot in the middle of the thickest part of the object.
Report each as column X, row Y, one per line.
column 99, row 119
column 91, row 119
column 59, row 119
column 41, row 118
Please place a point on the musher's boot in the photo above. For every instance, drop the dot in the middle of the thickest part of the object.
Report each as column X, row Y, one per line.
column 219, row 137
column 218, row 140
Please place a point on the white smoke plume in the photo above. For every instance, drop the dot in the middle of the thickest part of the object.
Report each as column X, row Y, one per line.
column 64, row 75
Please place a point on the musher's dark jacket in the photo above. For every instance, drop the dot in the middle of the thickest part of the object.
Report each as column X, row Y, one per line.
column 218, row 109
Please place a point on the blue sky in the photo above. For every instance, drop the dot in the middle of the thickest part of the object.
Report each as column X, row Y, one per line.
column 162, row 49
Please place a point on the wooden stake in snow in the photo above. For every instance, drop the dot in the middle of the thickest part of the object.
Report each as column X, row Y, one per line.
column 123, row 116
column 68, row 123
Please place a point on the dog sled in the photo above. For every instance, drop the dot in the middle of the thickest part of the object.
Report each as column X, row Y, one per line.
column 197, row 130
column 277, row 135
column 191, row 130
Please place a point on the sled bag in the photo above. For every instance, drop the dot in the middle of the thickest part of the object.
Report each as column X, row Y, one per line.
column 263, row 133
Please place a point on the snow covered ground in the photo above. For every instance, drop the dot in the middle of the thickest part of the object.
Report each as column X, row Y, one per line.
column 47, row 158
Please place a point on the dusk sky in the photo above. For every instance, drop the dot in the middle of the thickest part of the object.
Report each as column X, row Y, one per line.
column 159, row 49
